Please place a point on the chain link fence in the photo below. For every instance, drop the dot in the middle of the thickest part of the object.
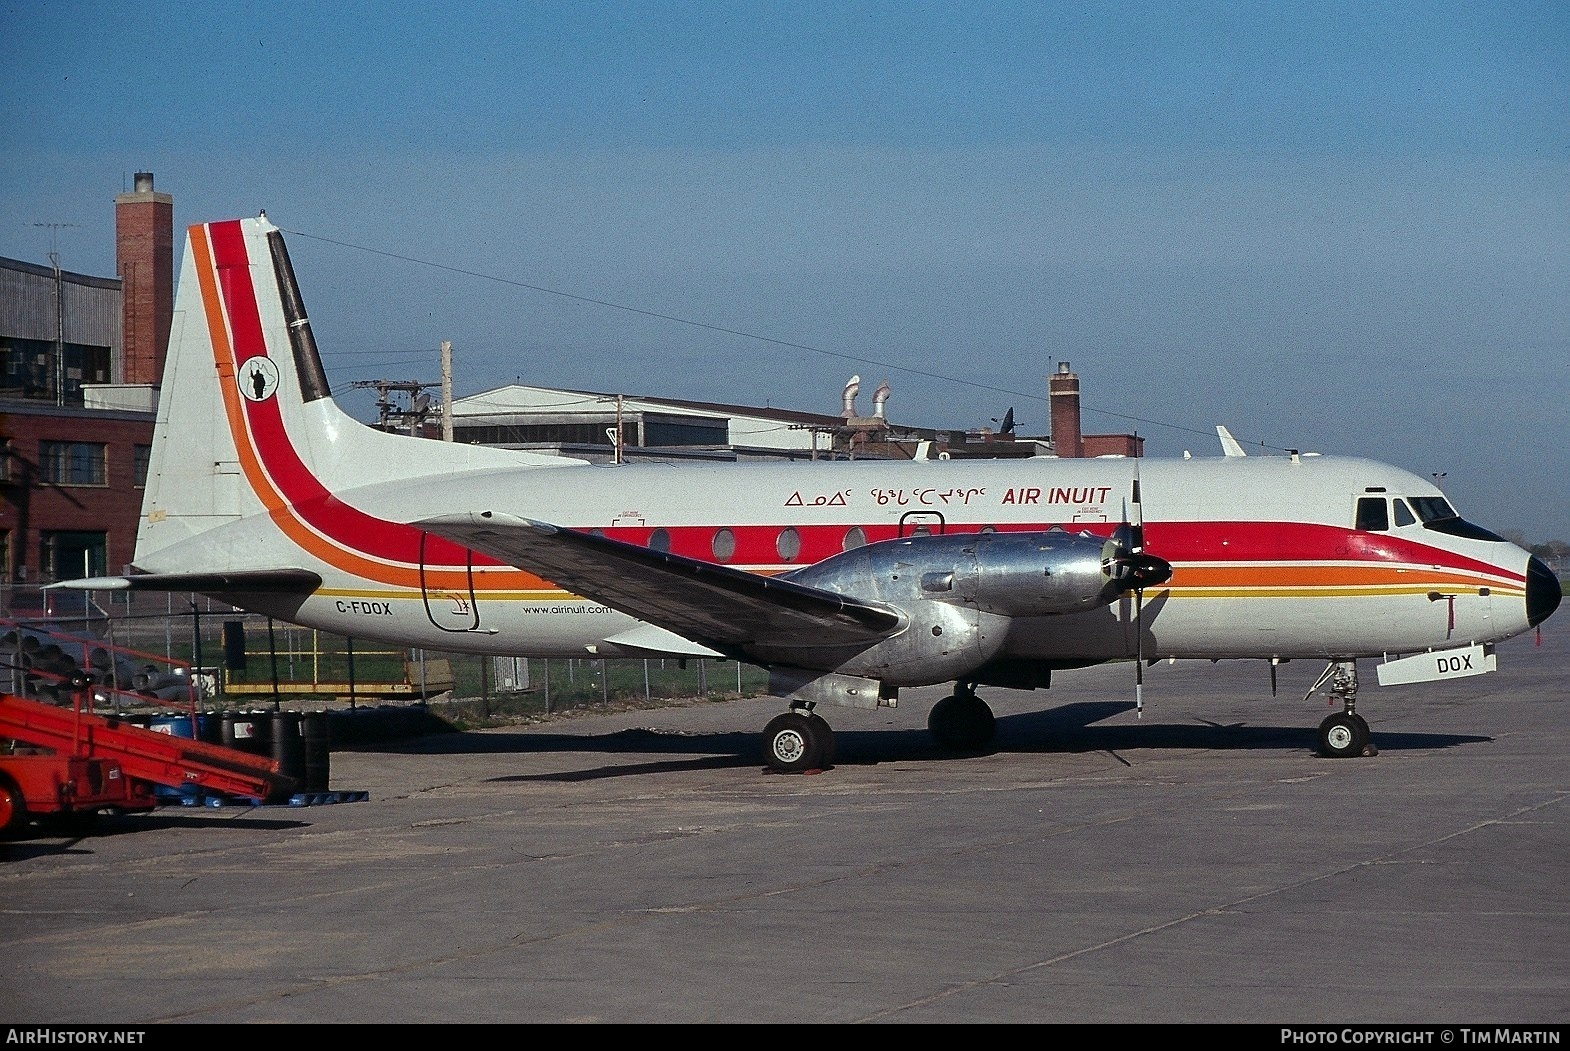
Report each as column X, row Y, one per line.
column 237, row 659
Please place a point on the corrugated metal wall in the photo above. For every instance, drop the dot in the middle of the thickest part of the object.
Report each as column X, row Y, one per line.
column 27, row 306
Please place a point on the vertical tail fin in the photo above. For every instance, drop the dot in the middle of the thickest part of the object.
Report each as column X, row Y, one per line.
column 246, row 422
column 242, row 372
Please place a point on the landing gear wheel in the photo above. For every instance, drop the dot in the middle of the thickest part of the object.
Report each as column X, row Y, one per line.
column 13, row 808
column 1369, row 748
column 826, row 753
column 961, row 722
column 796, row 742
column 1343, row 736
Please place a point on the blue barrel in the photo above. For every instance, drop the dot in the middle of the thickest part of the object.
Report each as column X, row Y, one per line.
column 175, row 724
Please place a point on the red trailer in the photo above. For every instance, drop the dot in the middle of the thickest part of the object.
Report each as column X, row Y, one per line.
column 35, row 783
column 68, row 761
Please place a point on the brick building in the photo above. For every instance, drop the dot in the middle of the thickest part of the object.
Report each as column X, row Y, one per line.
column 80, row 361
column 71, row 484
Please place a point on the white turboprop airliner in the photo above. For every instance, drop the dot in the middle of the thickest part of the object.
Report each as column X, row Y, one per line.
column 847, row 581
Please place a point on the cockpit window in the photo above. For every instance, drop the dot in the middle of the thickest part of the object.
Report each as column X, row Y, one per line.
column 1437, row 514
column 1373, row 514
column 1403, row 514
column 1432, row 508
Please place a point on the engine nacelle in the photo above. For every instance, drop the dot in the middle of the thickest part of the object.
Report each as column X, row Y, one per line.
column 1010, row 574
column 959, row 593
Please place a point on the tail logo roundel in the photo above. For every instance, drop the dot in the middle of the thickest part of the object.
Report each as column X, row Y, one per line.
column 258, row 379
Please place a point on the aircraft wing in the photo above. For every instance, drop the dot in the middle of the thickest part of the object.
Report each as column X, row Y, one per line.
column 716, row 605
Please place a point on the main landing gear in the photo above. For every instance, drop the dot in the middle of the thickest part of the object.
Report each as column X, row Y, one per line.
column 1344, row 734
column 798, row 741
column 962, row 721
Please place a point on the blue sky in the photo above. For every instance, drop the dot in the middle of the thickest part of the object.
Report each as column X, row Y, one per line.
column 1336, row 227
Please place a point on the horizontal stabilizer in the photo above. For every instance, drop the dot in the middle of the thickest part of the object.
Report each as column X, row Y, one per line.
column 302, row 581
column 711, row 604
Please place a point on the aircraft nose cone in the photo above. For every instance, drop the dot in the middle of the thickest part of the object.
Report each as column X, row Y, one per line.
column 1543, row 592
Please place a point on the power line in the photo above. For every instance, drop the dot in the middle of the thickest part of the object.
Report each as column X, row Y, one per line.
column 706, row 326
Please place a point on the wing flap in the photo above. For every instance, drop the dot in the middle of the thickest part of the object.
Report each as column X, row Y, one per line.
column 707, row 603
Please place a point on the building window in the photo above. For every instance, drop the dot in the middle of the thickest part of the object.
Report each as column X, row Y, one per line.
column 31, row 368
column 141, row 456
column 72, row 463
column 65, row 554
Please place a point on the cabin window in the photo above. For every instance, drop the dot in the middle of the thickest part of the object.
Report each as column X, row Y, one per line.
column 723, row 545
column 660, row 540
column 788, row 544
column 855, row 537
column 1373, row 514
column 1404, row 516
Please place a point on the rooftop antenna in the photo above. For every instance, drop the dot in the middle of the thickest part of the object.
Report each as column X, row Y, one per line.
column 54, row 261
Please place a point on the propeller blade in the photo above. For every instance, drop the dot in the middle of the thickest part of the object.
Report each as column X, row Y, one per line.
column 1139, row 653
column 1141, row 571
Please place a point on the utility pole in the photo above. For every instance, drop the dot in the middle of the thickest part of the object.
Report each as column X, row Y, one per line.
column 618, row 428
column 446, row 390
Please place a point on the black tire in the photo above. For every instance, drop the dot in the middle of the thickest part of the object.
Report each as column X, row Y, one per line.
column 13, row 808
column 826, row 741
column 796, row 742
column 1342, row 736
column 962, row 723
column 1369, row 748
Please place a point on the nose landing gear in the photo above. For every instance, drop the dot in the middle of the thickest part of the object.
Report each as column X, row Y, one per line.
column 1345, row 734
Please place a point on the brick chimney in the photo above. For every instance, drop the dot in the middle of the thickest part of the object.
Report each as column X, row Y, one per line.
column 144, row 257
column 1063, row 402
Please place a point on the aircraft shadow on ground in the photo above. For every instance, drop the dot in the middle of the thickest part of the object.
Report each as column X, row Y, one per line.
column 1068, row 729
column 48, row 839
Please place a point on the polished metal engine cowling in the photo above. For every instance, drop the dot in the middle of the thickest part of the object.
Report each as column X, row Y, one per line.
column 958, row 594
